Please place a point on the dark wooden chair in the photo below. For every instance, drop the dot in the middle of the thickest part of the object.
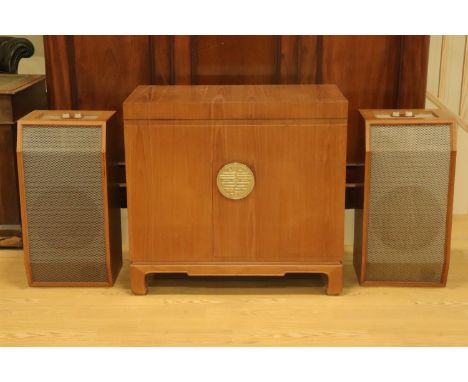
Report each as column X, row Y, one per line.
column 12, row 50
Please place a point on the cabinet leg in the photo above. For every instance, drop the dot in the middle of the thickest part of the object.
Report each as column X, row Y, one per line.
column 335, row 280
column 138, row 280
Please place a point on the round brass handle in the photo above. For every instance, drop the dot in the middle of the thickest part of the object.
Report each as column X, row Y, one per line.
column 235, row 180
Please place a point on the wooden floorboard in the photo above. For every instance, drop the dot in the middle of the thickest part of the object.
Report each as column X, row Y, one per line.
column 181, row 311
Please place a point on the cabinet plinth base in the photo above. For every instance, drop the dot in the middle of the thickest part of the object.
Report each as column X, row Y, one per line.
column 334, row 272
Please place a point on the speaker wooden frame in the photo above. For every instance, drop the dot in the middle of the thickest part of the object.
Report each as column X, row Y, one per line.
column 368, row 119
column 106, row 120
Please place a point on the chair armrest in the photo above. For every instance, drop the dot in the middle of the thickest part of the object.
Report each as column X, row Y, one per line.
column 12, row 50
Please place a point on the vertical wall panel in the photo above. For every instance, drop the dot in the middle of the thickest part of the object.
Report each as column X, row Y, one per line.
column 414, row 55
column 451, row 70
column 106, row 69
column 58, row 72
column 464, row 90
column 288, row 73
column 366, row 69
column 433, row 67
column 237, row 59
column 447, row 87
column 182, row 60
column 161, row 59
column 308, row 57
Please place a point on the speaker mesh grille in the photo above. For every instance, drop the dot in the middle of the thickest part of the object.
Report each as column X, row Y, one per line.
column 64, row 206
column 408, row 196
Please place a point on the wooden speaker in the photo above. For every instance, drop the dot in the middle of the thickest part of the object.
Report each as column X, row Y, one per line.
column 402, row 233
column 69, row 198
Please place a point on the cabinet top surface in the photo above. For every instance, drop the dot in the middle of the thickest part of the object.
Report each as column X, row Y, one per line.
column 405, row 116
column 13, row 83
column 236, row 102
column 66, row 117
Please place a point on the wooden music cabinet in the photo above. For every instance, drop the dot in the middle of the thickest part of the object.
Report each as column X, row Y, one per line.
column 236, row 180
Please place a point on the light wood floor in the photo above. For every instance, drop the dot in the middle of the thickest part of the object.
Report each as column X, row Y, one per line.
column 182, row 311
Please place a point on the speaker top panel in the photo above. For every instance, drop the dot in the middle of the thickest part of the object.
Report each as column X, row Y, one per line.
column 67, row 117
column 405, row 116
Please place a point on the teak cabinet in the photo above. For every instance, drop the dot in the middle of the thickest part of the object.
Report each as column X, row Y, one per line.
column 286, row 142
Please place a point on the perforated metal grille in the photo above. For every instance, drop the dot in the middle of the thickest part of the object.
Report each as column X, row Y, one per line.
column 64, row 206
column 408, row 198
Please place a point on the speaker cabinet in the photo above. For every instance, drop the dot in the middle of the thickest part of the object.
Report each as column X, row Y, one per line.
column 402, row 233
column 69, row 198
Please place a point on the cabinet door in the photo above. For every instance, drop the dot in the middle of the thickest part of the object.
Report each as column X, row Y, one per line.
column 169, row 180
column 296, row 210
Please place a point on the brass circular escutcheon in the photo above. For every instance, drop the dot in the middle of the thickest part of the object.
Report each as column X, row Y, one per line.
column 235, row 180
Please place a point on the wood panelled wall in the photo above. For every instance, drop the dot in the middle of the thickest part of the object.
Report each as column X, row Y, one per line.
column 99, row 72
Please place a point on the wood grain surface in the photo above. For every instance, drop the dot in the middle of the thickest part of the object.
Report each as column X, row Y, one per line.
column 295, row 212
column 293, row 140
column 236, row 311
column 169, row 190
column 366, row 69
column 195, row 102
column 236, row 59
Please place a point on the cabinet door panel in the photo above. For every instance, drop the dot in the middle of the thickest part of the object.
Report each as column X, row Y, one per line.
column 295, row 212
column 169, row 191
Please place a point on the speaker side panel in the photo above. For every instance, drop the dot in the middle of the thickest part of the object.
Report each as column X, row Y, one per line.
column 24, row 220
column 357, row 250
column 112, row 139
column 451, row 190
column 408, row 203
column 63, row 204
column 361, row 214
